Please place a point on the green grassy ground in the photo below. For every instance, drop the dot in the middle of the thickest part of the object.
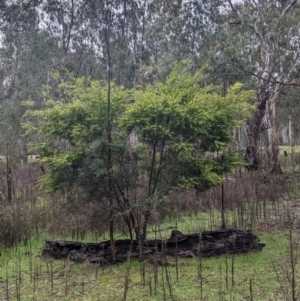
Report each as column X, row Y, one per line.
column 25, row 275
column 291, row 162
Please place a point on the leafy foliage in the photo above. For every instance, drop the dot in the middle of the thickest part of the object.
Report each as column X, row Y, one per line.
column 179, row 124
column 73, row 129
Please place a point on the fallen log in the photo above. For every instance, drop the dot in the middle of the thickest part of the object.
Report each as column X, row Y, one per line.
column 206, row 244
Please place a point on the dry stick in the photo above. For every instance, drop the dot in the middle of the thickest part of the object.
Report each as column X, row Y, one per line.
column 16, row 280
column 51, row 277
column 20, row 266
column 251, row 290
column 176, row 261
column 142, row 259
column 37, row 268
column 200, row 267
column 234, row 219
column 220, row 280
column 259, row 215
column 96, row 269
column 34, row 273
column 143, row 272
column 169, row 281
column 30, row 266
column 82, row 286
column 155, row 277
column 127, row 275
column 150, row 285
column 17, row 289
column 210, row 218
column 66, row 281
column 232, row 269
column 18, row 277
column 98, row 283
column 163, row 282
column 6, row 282
column 155, row 265
column 252, row 213
column 162, row 266
column 223, row 225
column 226, row 270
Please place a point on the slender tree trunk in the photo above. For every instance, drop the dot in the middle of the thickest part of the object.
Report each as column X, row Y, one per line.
column 291, row 136
column 109, row 141
column 273, row 139
column 9, row 180
column 145, row 224
column 284, row 134
column 223, row 225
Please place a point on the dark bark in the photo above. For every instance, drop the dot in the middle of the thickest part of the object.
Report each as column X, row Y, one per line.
column 253, row 131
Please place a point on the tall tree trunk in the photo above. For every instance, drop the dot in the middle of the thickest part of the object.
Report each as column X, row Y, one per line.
column 253, row 129
column 273, row 139
column 109, row 140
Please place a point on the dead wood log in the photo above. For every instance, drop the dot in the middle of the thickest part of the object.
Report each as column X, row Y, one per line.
column 205, row 244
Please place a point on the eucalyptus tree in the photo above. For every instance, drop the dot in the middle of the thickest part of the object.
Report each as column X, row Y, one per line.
column 178, row 30
column 18, row 25
column 66, row 22
column 126, row 20
column 261, row 40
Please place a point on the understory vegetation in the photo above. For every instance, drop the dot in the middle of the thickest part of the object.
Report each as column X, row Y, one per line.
column 264, row 203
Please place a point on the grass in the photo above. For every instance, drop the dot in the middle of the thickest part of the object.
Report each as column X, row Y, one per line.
column 291, row 162
column 24, row 275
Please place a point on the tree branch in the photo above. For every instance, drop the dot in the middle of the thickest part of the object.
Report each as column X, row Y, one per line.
column 273, row 81
column 237, row 15
column 232, row 7
column 289, row 6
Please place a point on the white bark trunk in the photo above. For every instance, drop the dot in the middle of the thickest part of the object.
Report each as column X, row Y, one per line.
column 291, row 134
column 285, row 135
column 272, row 134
